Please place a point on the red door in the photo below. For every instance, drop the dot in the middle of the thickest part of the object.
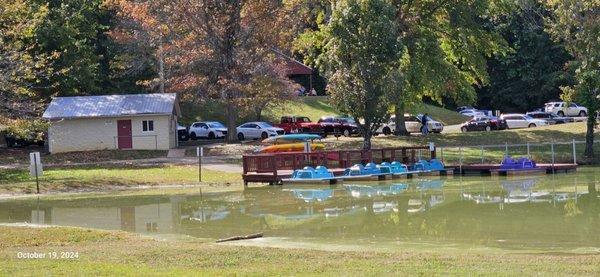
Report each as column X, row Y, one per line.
column 124, row 134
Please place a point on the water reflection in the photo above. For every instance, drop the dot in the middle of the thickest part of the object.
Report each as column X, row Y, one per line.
column 542, row 212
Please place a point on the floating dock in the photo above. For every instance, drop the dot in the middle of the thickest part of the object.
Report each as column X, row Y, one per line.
column 496, row 169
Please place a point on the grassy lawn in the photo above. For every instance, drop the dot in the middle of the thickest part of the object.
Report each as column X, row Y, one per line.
column 107, row 253
column 471, row 140
column 102, row 179
column 21, row 156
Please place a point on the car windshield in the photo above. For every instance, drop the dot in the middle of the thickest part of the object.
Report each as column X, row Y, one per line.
column 528, row 117
column 264, row 125
column 347, row 120
column 215, row 125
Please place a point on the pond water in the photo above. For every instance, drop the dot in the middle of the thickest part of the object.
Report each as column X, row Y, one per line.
column 560, row 212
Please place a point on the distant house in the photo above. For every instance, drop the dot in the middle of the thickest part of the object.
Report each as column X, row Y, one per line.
column 131, row 121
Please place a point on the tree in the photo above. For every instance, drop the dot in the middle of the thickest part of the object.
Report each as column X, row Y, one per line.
column 73, row 33
column 576, row 24
column 217, row 48
column 446, row 46
column 20, row 68
column 361, row 51
column 532, row 73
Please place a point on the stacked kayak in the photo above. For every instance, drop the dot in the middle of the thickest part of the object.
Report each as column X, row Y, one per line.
column 290, row 143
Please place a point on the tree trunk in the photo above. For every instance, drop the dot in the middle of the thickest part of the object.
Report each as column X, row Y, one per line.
column 258, row 114
column 367, row 134
column 400, row 124
column 589, row 137
column 231, row 114
column 161, row 68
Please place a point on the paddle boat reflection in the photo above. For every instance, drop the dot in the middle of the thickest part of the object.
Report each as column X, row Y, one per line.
column 312, row 195
column 424, row 185
column 384, row 207
column 361, row 191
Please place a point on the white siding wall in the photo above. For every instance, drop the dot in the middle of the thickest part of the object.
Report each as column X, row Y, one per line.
column 99, row 134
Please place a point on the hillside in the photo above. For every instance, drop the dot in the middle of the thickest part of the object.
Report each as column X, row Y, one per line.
column 312, row 106
column 317, row 106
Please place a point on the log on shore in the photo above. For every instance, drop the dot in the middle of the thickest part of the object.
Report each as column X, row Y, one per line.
column 251, row 236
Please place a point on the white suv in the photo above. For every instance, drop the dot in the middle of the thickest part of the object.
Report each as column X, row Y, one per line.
column 207, row 129
column 413, row 125
column 562, row 109
column 514, row 121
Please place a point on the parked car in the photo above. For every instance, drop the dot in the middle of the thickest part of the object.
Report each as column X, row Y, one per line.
column 472, row 113
column 300, row 124
column 338, row 125
column 462, row 108
column 413, row 125
column 484, row 123
column 182, row 133
column 562, row 109
column 515, row 121
column 551, row 118
column 207, row 129
column 257, row 130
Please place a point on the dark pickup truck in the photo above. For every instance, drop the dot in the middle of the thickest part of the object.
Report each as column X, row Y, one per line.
column 299, row 124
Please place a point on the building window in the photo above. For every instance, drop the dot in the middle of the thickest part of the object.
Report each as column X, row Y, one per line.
column 148, row 126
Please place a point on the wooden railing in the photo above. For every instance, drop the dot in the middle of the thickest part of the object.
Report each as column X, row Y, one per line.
column 272, row 162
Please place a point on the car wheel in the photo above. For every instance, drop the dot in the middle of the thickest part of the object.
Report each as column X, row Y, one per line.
column 193, row 136
column 240, row 136
column 532, row 125
column 387, row 131
column 346, row 133
column 463, row 129
column 264, row 135
column 560, row 113
column 488, row 128
column 211, row 135
column 582, row 113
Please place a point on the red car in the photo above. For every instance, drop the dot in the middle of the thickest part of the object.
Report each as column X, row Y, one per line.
column 299, row 124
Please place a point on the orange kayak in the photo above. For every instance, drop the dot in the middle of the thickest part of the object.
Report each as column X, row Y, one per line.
column 290, row 147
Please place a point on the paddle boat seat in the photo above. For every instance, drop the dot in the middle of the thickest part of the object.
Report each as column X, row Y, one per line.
column 323, row 172
column 398, row 168
column 355, row 170
column 371, row 168
column 436, row 165
column 385, row 168
column 421, row 165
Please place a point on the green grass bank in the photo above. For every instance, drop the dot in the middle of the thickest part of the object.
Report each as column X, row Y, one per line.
column 104, row 253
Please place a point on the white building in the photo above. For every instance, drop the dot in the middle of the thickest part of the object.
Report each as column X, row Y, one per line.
column 130, row 121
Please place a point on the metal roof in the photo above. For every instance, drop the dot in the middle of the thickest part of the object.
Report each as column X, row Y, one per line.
column 111, row 105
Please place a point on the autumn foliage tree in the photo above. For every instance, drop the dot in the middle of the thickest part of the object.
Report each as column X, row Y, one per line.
column 20, row 68
column 218, row 49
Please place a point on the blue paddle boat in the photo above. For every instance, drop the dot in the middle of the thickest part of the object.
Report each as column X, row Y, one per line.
column 358, row 172
column 432, row 165
column 509, row 163
column 309, row 175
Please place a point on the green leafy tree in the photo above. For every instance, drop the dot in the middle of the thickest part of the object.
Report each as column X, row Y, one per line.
column 533, row 72
column 361, row 52
column 576, row 24
column 446, row 47
column 74, row 33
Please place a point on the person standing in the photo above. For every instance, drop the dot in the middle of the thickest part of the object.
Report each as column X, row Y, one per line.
column 425, row 128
